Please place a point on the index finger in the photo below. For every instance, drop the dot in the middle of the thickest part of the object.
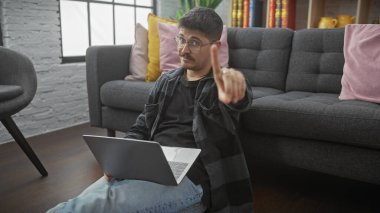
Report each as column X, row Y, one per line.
column 215, row 63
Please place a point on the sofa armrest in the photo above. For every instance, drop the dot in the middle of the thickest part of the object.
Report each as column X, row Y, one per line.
column 103, row 64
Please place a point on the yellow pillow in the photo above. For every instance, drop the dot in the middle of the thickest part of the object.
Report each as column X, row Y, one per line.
column 153, row 69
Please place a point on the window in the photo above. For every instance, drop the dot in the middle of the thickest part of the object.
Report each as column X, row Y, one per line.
column 100, row 22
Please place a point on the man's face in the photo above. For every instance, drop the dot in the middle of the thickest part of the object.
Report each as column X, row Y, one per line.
column 195, row 50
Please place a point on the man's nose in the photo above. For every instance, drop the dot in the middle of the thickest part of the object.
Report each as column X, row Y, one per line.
column 185, row 49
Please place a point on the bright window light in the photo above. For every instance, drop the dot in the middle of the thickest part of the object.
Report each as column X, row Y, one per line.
column 103, row 22
column 74, row 28
column 125, row 24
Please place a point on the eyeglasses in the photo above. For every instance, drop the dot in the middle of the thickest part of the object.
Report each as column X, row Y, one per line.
column 194, row 45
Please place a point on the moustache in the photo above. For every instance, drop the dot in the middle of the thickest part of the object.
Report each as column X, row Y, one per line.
column 187, row 56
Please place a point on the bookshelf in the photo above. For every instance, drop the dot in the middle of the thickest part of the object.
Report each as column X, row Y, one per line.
column 319, row 8
column 247, row 13
column 309, row 12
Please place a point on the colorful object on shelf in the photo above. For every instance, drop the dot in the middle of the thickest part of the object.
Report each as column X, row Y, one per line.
column 327, row 22
column 251, row 17
column 278, row 13
column 282, row 14
column 343, row 20
column 234, row 13
column 255, row 13
column 288, row 14
column 272, row 14
column 245, row 13
column 240, row 13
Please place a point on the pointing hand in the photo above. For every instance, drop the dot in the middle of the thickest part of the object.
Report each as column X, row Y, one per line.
column 230, row 82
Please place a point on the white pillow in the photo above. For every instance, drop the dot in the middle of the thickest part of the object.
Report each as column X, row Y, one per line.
column 138, row 61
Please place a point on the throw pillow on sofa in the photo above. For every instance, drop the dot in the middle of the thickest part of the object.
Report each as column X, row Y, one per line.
column 139, row 56
column 153, row 70
column 223, row 51
column 361, row 72
column 169, row 58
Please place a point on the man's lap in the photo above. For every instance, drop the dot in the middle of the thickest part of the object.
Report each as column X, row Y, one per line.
column 135, row 196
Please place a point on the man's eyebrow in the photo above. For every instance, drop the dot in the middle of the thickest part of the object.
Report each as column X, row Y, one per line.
column 194, row 38
column 191, row 37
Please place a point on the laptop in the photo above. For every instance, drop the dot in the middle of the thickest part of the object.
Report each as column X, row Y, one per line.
column 126, row 158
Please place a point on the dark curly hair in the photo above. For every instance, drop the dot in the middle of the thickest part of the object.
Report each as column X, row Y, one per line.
column 205, row 20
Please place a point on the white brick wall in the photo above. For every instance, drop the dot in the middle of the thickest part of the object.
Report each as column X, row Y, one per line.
column 32, row 27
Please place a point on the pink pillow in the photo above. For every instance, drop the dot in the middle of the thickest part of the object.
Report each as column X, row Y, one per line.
column 139, row 55
column 169, row 58
column 223, row 51
column 361, row 72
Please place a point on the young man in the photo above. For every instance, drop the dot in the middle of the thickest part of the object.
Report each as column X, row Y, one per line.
column 197, row 105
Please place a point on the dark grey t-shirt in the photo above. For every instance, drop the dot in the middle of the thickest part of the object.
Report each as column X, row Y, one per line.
column 175, row 129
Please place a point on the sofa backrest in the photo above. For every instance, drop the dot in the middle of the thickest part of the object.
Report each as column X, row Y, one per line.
column 261, row 54
column 316, row 61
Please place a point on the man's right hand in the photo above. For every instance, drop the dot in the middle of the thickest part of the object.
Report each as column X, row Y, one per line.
column 230, row 83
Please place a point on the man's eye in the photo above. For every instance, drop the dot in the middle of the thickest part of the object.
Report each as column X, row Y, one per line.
column 194, row 43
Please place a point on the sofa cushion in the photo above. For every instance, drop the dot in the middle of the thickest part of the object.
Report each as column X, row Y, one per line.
column 138, row 60
column 259, row 92
column 316, row 116
column 261, row 54
column 361, row 74
column 316, row 62
column 169, row 57
column 153, row 69
column 128, row 95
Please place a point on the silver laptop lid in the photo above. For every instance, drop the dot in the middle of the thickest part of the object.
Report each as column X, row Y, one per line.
column 126, row 158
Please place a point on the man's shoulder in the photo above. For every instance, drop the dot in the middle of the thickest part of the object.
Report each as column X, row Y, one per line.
column 173, row 73
column 167, row 77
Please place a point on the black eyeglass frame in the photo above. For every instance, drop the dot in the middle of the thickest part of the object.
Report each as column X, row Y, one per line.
column 181, row 46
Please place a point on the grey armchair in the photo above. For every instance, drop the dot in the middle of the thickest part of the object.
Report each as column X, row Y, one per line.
column 18, row 85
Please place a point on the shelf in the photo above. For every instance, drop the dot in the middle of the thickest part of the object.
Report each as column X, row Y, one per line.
column 362, row 12
column 309, row 12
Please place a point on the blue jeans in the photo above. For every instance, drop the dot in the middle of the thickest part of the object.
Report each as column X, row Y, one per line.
column 135, row 196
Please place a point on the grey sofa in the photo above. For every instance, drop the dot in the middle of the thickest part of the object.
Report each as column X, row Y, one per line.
column 296, row 118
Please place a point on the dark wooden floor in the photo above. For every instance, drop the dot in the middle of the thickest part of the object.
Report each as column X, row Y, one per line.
column 65, row 156
column 72, row 168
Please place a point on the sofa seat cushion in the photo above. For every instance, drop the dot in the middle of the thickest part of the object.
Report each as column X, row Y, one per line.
column 259, row 92
column 316, row 116
column 261, row 54
column 128, row 95
column 317, row 60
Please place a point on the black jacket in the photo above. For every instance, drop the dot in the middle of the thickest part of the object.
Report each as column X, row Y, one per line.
column 215, row 133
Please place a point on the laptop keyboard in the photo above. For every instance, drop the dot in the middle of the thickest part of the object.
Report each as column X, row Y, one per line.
column 177, row 168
